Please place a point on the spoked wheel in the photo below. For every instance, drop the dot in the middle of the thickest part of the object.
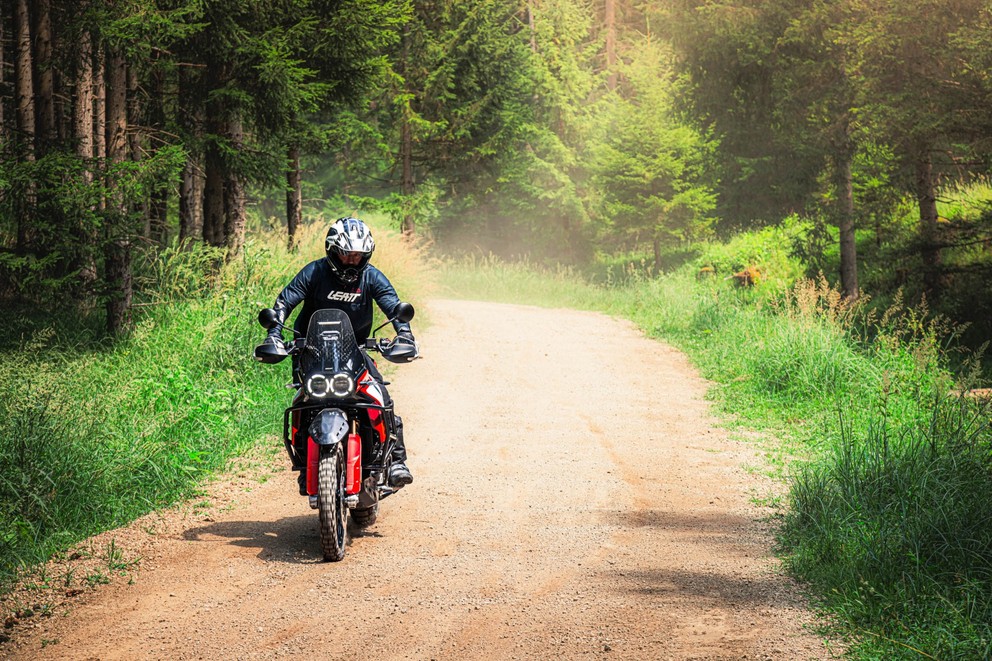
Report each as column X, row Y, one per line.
column 330, row 504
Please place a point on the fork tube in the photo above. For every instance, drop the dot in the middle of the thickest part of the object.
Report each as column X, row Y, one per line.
column 353, row 479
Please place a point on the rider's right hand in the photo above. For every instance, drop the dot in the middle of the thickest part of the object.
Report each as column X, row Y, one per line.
column 275, row 338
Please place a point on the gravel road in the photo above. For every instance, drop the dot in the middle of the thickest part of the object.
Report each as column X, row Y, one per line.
column 574, row 498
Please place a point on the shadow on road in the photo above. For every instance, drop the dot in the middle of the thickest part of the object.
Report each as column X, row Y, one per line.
column 712, row 534
column 720, row 588
column 292, row 539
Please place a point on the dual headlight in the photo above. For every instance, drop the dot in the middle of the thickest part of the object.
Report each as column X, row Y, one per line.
column 339, row 385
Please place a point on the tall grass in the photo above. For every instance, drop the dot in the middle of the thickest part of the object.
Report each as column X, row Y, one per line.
column 891, row 528
column 889, row 472
column 94, row 433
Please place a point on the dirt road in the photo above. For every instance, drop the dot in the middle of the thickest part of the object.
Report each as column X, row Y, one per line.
column 573, row 499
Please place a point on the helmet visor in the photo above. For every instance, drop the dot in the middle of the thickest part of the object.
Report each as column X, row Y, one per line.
column 351, row 258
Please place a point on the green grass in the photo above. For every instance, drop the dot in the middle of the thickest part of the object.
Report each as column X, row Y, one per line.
column 95, row 433
column 889, row 474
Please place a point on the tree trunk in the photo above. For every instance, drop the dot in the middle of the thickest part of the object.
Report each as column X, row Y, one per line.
column 191, row 187
column 83, row 134
column 135, row 146
column 47, row 133
column 610, row 25
column 532, row 26
column 154, row 116
column 116, row 108
column 214, row 163
column 657, row 253
column 24, row 81
column 213, row 197
column 117, row 250
column 100, row 110
column 24, row 103
column 83, row 117
column 408, row 226
column 190, row 201
column 117, row 275
column 294, row 196
column 845, row 223
column 926, row 196
column 158, row 209
column 3, row 73
column 234, row 196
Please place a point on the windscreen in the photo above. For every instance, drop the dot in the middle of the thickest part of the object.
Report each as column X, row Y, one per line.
column 331, row 345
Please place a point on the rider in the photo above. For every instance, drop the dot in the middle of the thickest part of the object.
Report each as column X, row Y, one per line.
column 344, row 280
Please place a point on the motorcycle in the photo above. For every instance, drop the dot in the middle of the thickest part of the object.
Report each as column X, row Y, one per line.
column 339, row 430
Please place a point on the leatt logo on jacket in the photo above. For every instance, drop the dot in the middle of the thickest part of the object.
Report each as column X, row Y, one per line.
column 344, row 296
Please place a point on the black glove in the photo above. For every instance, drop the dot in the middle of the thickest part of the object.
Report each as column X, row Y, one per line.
column 405, row 337
column 275, row 333
column 275, row 338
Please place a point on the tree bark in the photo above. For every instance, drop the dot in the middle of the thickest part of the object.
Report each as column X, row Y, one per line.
column 158, row 209
column 24, row 104
column 845, row 223
column 409, row 226
column 656, row 245
column 117, row 249
column 213, row 197
column 83, row 134
column 23, row 80
column 234, row 195
column 190, row 201
column 214, row 164
column 533, row 27
column 116, row 124
column 294, row 196
column 191, row 186
column 610, row 25
column 135, row 146
column 83, row 116
column 47, row 132
column 100, row 104
column 926, row 196
column 3, row 73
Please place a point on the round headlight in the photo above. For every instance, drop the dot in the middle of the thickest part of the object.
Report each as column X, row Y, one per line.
column 342, row 385
column 318, row 386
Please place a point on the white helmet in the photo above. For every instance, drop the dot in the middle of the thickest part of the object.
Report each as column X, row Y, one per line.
column 348, row 235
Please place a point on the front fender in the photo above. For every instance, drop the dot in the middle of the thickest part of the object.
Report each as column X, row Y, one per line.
column 329, row 427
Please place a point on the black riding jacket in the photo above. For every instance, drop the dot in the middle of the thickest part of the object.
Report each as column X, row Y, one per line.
column 318, row 288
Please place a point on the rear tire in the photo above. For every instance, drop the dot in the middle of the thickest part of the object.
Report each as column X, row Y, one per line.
column 332, row 511
column 365, row 516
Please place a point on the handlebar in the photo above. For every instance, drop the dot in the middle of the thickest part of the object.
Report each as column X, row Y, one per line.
column 379, row 344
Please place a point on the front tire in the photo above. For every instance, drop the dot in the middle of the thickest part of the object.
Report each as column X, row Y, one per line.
column 331, row 509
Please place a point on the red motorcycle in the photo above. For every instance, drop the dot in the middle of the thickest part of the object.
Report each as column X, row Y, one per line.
column 339, row 430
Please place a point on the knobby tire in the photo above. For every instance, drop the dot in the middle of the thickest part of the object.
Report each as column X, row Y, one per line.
column 331, row 508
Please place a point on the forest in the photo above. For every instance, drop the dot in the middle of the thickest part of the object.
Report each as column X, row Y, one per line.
column 833, row 155
column 565, row 131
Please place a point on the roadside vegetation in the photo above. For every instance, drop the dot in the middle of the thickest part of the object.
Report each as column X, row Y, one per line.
column 862, row 409
column 95, row 433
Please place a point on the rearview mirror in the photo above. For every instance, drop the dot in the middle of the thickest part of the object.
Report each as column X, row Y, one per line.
column 404, row 312
column 268, row 318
